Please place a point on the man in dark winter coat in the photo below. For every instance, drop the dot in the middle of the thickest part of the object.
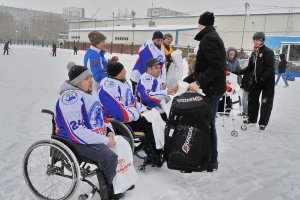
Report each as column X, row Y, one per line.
column 281, row 69
column 6, row 48
column 261, row 65
column 75, row 50
column 209, row 72
column 54, row 49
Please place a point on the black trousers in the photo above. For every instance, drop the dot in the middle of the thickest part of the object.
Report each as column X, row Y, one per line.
column 5, row 51
column 142, row 125
column 266, row 89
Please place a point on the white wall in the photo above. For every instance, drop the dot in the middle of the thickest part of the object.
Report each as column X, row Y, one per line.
column 230, row 28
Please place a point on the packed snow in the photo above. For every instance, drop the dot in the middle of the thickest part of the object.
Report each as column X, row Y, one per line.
column 253, row 166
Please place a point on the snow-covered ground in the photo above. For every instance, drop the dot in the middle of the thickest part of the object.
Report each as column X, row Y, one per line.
column 254, row 166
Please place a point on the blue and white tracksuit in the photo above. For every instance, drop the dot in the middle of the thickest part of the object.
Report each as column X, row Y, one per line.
column 147, row 51
column 151, row 92
column 94, row 60
column 119, row 102
column 79, row 118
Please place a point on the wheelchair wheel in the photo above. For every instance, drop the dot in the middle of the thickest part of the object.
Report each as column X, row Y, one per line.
column 122, row 129
column 51, row 170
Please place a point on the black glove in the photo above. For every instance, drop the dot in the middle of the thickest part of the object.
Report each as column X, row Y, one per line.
column 190, row 78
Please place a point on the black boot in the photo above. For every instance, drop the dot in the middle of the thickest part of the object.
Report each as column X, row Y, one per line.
column 212, row 166
column 116, row 196
column 104, row 191
column 113, row 196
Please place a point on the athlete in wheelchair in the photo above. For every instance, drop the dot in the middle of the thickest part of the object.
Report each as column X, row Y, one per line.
column 79, row 147
column 119, row 102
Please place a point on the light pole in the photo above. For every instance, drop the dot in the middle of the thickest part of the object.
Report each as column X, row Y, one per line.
column 133, row 26
column 151, row 22
column 78, row 45
column 247, row 6
column 16, row 36
column 112, row 33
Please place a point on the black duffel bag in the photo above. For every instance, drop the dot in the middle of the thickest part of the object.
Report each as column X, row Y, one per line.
column 188, row 136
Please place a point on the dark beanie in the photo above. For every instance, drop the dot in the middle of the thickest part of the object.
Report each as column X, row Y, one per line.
column 77, row 73
column 96, row 37
column 114, row 68
column 157, row 35
column 207, row 18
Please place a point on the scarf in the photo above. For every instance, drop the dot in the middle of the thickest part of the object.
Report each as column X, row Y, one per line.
column 256, row 49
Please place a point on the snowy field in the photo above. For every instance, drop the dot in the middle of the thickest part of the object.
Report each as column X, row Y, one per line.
column 254, row 166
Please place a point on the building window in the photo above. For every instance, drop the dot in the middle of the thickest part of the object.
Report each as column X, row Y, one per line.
column 121, row 38
column 294, row 53
column 285, row 49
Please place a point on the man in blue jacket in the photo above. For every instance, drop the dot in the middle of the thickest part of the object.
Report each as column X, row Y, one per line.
column 94, row 57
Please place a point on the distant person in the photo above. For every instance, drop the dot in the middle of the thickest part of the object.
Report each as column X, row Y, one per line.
column 281, row 70
column 243, row 54
column 261, row 65
column 6, row 48
column 233, row 62
column 168, row 50
column 191, row 63
column 94, row 58
column 54, row 49
column 75, row 49
column 150, row 49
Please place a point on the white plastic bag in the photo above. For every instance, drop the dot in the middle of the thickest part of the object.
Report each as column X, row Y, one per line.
column 126, row 175
column 174, row 73
column 158, row 127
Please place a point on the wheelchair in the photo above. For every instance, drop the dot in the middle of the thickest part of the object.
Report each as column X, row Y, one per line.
column 53, row 169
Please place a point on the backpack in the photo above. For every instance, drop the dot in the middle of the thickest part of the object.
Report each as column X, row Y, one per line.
column 188, row 134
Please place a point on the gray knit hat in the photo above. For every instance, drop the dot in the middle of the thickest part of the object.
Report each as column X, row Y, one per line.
column 96, row 37
column 77, row 73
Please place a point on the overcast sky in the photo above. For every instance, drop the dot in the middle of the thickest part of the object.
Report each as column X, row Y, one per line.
column 194, row 7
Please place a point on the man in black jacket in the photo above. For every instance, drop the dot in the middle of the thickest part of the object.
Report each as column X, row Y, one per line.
column 281, row 70
column 261, row 65
column 209, row 72
column 6, row 48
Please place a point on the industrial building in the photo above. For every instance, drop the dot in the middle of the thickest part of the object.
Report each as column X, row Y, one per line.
column 235, row 30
